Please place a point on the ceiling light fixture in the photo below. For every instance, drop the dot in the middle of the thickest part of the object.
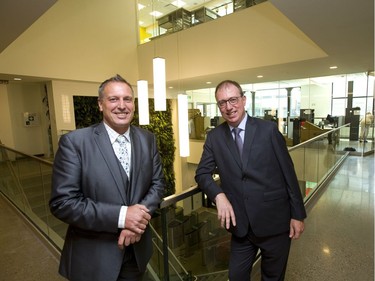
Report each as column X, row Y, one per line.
column 178, row 3
column 160, row 91
column 183, row 125
column 140, row 6
column 156, row 14
column 143, row 109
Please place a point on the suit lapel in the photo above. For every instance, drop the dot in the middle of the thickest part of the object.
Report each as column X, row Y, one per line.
column 135, row 161
column 250, row 132
column 102, row 140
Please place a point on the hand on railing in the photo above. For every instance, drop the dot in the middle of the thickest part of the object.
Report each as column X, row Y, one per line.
column 225, row 212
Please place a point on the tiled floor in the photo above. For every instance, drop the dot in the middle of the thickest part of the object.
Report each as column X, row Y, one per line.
column 338, row 243
column 22, row 255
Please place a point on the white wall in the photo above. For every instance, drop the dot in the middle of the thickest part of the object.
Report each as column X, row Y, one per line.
column 61, row 99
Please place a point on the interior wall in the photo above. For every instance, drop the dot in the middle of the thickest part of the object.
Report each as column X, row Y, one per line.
column 6, row 135
column 62, row 93
column 27, row 98
column 77, row 40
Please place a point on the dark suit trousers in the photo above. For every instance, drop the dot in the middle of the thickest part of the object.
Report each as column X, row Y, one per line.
column 274, row 256
column 130, row 270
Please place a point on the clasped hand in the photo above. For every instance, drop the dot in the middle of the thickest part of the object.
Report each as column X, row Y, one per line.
column 137, row 219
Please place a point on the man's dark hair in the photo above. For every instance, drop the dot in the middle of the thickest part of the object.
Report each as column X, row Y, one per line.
column 116, row 78
column 224, row 83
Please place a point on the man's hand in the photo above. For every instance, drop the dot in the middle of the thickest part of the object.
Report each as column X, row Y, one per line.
column 296, row 228
column 225, row 211
column 137, row 218
column 127, row 237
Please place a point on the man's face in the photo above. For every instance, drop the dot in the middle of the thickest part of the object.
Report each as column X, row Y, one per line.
column 117, row 106
column 231, row 104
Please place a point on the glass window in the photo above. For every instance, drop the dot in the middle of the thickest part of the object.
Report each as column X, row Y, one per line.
column 338, row 107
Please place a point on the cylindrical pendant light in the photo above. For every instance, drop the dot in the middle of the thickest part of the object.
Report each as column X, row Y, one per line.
column 159, row 84
column 183, row 124
column 143, row 110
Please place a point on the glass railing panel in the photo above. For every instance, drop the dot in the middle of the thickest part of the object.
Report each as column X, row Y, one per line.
column 315, row 159
column 12, row 186
column 197, row 245
column 26, row 181
column 187, row 239
column 158, row 18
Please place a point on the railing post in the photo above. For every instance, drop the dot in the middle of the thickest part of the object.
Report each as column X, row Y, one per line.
column 164, row 230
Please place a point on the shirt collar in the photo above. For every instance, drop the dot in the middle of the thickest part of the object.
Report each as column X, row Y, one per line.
column 113, row 135
column 242, row 124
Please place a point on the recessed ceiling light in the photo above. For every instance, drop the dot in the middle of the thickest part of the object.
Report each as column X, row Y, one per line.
column 140, row 6
column 260, row 76
column 178, row 3
column 333, row 67
column 17, row 79
column 208, row 82
column 156, row 14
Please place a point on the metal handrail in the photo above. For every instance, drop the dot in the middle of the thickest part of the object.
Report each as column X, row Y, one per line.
column 294, row 147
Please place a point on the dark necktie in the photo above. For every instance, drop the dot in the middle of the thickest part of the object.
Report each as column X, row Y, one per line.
column 238, row 140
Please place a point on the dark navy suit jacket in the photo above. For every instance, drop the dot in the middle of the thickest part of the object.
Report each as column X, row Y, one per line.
column 262, row 185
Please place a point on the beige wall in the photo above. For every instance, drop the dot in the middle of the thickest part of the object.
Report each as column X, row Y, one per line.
column 77, row 40
column 6, row 134
column 15, row 100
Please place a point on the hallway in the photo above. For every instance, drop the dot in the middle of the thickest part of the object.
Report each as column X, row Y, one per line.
column 338, row 243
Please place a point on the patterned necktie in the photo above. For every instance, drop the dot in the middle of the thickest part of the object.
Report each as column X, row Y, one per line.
column 238, row 140
column 123, row 154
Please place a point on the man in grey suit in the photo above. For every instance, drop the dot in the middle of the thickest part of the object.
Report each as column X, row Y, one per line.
column 107, row 210
column 258, row 200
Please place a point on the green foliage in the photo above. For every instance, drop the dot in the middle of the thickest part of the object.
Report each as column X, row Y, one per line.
column 161, row 126
column 86, row 111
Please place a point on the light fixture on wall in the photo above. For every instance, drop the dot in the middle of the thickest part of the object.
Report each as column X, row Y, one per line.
column 160, row 92
column 183, row 124
column 143, row 110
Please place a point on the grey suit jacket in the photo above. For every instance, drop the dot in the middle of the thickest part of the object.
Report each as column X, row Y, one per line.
column 262, row 185
column 88, row 189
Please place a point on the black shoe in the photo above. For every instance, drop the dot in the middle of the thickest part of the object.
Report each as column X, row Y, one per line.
column 365, row 141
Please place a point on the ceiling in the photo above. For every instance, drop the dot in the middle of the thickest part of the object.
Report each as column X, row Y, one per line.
column 344, row 29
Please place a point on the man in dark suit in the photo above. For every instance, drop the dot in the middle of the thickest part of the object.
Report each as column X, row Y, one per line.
column 258, row 200
column 107, row 209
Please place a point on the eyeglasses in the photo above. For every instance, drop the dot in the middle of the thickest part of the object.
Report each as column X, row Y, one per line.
column 232, row 101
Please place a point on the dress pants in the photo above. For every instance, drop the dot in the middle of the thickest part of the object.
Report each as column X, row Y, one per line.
column 274, row 256
column 129, row 269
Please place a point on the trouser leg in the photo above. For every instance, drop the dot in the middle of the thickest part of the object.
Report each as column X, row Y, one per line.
column 242, row 257
column 275, row 252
